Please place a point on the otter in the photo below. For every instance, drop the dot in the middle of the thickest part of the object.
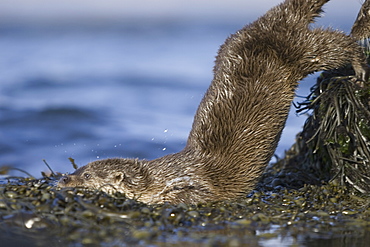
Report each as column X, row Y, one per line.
column 240, row 119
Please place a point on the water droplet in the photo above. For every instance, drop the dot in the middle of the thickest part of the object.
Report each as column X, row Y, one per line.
column 164, row 149
column 165, row 131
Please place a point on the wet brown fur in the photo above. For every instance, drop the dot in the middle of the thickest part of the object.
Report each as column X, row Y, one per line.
column 240, row 119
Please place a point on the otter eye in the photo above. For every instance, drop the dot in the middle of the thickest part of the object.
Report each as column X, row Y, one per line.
column 87, row 176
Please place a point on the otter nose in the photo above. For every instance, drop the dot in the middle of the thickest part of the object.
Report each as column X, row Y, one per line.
column 64, row 180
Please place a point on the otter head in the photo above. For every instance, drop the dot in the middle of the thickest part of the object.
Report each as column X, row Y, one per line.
column 128, row 176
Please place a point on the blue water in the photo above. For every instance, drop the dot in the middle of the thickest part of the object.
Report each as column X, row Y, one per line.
column 106, row 89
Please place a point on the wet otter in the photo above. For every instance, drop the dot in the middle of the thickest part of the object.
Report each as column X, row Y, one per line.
column 240, row 119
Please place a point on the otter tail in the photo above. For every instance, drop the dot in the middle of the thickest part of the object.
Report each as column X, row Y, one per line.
column 302, row 11
column 361, row 27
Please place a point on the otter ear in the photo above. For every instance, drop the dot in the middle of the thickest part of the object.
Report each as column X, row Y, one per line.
column 118, row 177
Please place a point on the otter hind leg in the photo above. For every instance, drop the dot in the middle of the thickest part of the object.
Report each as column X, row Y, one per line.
column 331, row 50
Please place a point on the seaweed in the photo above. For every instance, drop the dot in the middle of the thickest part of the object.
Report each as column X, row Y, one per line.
column 37, row 212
